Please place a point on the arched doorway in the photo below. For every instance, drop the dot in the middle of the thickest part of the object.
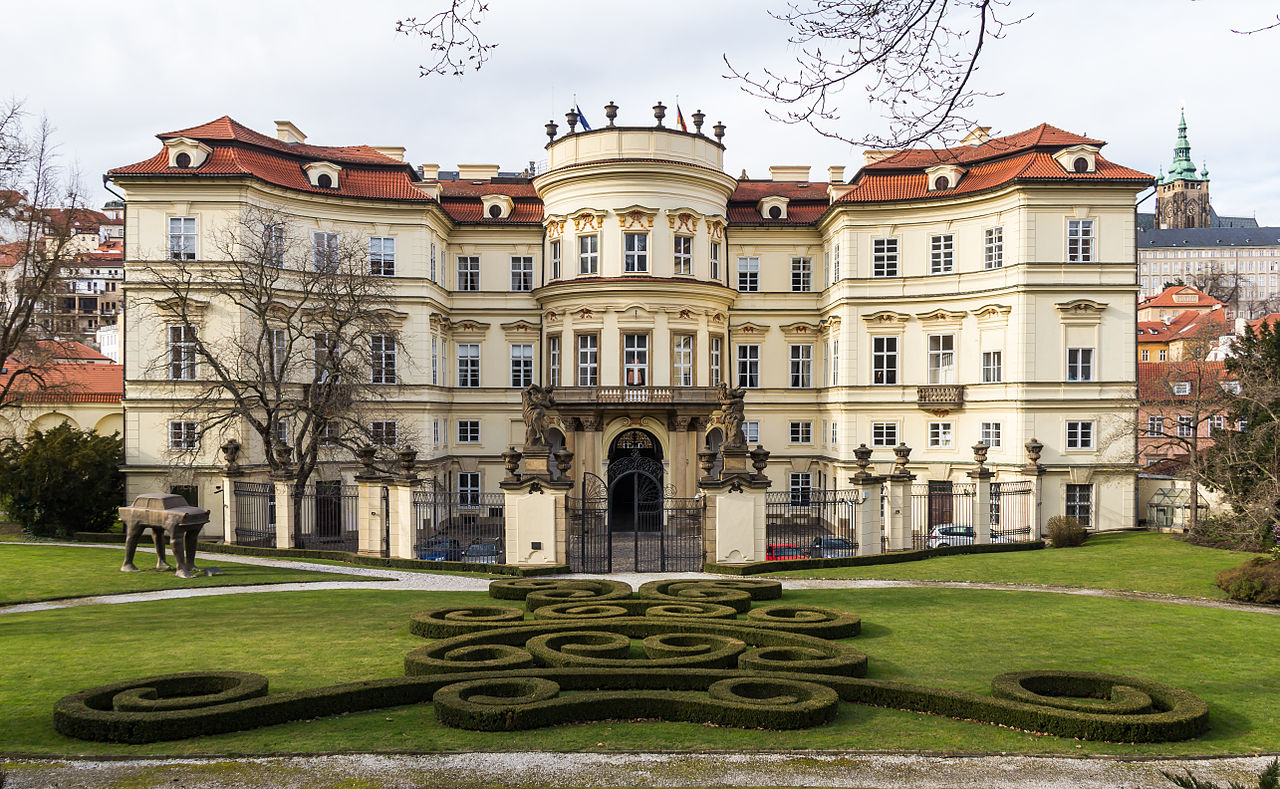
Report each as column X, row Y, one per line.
column 635, row 480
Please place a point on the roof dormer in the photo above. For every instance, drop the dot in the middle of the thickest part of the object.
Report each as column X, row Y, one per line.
column 773, row 207
column 497, row 206
column 1078, row 158
column 942, row 177
column 322, row 174
column 186, row 153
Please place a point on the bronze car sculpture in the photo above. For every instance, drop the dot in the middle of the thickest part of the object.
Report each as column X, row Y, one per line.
column 164, row 512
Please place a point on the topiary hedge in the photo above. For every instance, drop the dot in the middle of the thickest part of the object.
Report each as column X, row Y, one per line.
column 896, row 557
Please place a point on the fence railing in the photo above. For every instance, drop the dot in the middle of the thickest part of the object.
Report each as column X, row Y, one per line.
column 465, row 526
column 255, row 504
column 811, row 523
column 327, row 517
column 1012, row 511
column 942, row 514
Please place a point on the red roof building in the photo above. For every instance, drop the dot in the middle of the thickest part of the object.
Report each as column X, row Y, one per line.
column 1176, row 299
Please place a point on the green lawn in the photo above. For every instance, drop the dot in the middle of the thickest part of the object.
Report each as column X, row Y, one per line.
column 1129, row 561
column 33, row 572
column 939, row 637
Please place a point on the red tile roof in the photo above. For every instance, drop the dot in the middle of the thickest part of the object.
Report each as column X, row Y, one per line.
column 69, row 350
column 1182, row 326
column 1272, row 318
column 11, row 253
column 227, row 128
column 1154, row 377
column 1165, row 298
column 461, row 201
column 1042, row 136
column 73, row 383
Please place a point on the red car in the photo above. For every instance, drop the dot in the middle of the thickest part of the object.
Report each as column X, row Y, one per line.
column 775, row 553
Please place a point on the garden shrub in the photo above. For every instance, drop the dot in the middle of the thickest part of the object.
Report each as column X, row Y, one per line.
column 1065, row 531
column 1229, row 533
column 1255, row 581
column 62, row 480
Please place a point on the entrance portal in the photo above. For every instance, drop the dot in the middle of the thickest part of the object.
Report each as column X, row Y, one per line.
column 635, row 482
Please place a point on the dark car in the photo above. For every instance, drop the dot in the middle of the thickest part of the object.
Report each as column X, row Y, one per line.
column 440, row 549
column 831, row 548
column 777, row 553
column 482, row 553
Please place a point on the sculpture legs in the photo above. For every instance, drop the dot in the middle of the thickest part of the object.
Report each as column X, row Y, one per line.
column 184, row 553
column 131, row 533
column 157, row 536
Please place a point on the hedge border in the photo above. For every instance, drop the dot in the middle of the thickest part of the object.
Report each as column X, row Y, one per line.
column 895, row 557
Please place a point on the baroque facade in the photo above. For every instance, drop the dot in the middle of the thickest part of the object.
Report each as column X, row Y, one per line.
column 938, row 298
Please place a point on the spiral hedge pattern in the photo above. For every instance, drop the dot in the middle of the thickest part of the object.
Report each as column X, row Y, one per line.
column 676, row 650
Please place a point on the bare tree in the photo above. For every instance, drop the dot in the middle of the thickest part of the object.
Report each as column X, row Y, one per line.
column 1220, row 283
column 453, row 38
column 284, row 333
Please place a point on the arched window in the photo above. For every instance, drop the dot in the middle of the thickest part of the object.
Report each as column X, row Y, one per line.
column 942, row 182
column 1080, row 165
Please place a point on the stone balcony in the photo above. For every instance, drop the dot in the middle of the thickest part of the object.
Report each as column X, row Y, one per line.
column 693, row 400
column 940, row 397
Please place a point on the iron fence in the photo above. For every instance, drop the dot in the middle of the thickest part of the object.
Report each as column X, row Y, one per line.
column 810, row 523
column 946, row 507
column 255, row 504
column 326, row 517
column 1012, row 511
column 459, row 526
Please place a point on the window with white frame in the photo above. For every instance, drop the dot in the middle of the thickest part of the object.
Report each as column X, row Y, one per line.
column 382, row 256
column 635, row 359
column 384, row 433
column 992, row 367
column 555, row 260
column 942, row 358
column 1155, row 425
column 182, row 353
column 752, row 432
column 717, row 362
column 835, row 434
column 1181, row 388
column 801, row 432
column 325, row 355
column 273, row 245
column 682, row 360
column 635, row 253
column 940, row 435
column 884, row 434
column 274, row 340
column 182, row 238
column 749, row 275
column 800, row 487
column 1079, row 240
column 589, row 254
column 468, row 488
column 990, row 434
column 469, row 273
column 433, row 262
column 993, row 247
column 521, row 365
column 884, row 361
column 435, row 360
column 801, row 366
column 1163, row 355
column 468, row 431
column 588, row 360
column 328, row 432
column 553, row 359
column 835, row 363
column 835, row 264
column 468, row 364
column 382, row 359
column 1217, row 423
column 1079, row 503
column 801, row 275
column 1080, row 434
column 684, row 254
column 1079, row 364
column 184, row 436
column 749, row 366
column 435, row 432
column 1145, row 354
column 521, row 273
column 1186, row 426
column 715, row 260
column 324, row 250
column 941, row 253
column 884, row 257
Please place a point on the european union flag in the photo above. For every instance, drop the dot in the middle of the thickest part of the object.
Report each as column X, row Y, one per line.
column 582, row 118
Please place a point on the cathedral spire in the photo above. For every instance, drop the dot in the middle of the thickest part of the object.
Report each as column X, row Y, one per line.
column 1182, row 169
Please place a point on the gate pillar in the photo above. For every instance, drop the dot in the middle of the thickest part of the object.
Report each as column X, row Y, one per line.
column 369, row 514
column 283, row 485
column 534, row 509
column 1035, row 472
column 870, row 520
column 981, row 477
column 898, row 484
column 400, row 518
column 229, row 507
column 736, row 506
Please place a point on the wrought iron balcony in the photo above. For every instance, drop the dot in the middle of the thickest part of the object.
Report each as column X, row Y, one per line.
column 940, row 397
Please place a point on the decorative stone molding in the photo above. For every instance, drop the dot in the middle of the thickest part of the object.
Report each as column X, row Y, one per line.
column 554, row 226
column 588, row 220
column 178, row 307
column 551, row 316
column 1067, row 157
column 521, row 330
column 683, row 220
column 468, row 329
column 886, row 319
column 1085, row 312
column 767, row 205
column 942, row 177
column 715, row 227
column 992, row 314
column 497, row 206
column 750, row 329
column 636, row 218
column 196, row 151
column 800, row 330
column 317, row 170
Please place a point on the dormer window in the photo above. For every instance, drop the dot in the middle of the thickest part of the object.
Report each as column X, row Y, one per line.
column 773, row 207
column 185, row 153
column 182, row 161
column 943, row 177
column 324, row 181
column 324, row 175
column 1080, row 165
column 942, row 182
column 497, row 206
column 1078, row 159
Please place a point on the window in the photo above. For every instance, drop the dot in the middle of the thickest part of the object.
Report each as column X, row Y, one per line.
column 749, row 275
column 1155, row 425
column 1080, row 503
column 182, row 238
column 939, row 435
column 468, row 431
column 468, row 488
column 328, row 432
column 682, row 360
column 992, row 367
column 182, row 353
column 382, row 256
column 1080, row 435
column 884, row 257
column 835, row 434
column 1145, row 354
column 993, row 247
column 588, row 359
column 555, row 260
column 521, row 365
column 435, row 432
column 184, row 436
column 589, row 254
column 941, row 253
column 635, row 359
column 435, row 360
column 801, row 275
column 324, row 251
column 884, row 434
column 942, row 358
column 1181, row 388
column 1217, row 424
column 273, row 245
column 468, row 364
column 752, row 432
column 469, row 273
column 715, row 260
column 383, row 433
column 521, row 274
column 433, row 262
column 989, row 434
column 1079, row 240
column 1242, row 425
column 1163, row 355
column 382, row 358
column 799, row 484
column 274, row 340
column 716, row 361
column 684, row 255
column 835, row 265
column 884, row 360
column 1186, row 426
column 635, row 252
column 553, row 359
column 801, row 366
column 749, row 366
column 1079, row 364
column 801, row 432
column 325, row 355
column 835, row 362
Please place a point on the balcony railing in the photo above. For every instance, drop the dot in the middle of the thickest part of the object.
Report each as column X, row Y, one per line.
column 940, row 397
column 635, row 395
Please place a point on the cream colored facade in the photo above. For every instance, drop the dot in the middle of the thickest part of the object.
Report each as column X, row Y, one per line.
column 814, row 350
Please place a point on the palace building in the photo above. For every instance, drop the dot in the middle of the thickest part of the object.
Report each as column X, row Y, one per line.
column 937, row 298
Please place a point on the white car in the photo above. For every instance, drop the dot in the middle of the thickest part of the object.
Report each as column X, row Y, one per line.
column 948, row 534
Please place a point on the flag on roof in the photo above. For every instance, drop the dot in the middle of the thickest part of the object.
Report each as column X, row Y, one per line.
column 680, row 118
column 582, row 118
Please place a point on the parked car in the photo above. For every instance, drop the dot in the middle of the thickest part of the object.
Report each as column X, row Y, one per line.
column 440, row 549
column 481, row 553
column 948, row 534
column 831, row 548
column 776, row 553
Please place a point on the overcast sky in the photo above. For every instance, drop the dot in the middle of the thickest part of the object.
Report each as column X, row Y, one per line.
column 112, row 75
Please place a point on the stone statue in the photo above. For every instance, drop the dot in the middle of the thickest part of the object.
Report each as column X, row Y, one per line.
column 536, row 401
column 732, row 401
column 164, row 512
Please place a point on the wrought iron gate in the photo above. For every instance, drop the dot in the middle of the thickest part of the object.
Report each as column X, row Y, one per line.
column 633, row 525
column 588, row 527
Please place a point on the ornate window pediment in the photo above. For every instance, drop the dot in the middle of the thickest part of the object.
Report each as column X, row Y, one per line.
column 800, row 329
column 178, row 307
column 715, row 227
column 469, row 329
column 194, row 151
column 886, row 318
column 1080, row 307
column 992, row 313
column 554, row 226
column 940, row 316
column 683, row 220
column 636, row 217
column 588, row 220
column 521, row 329
column 755, row 329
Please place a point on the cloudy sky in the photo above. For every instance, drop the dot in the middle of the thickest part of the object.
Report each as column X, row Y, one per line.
column 112, row 75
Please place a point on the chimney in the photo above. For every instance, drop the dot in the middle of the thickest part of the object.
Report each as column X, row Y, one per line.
column 429, row 172
column 871, row 157
column 477, row 172
column 788, row 173
column 391, row 151
column 288, row 133
column 835, row 174
column 978, row 136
